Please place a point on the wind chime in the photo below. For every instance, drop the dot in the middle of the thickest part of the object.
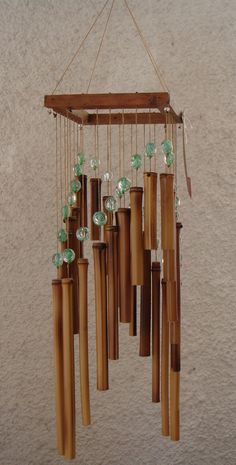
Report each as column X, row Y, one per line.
column 129, row 228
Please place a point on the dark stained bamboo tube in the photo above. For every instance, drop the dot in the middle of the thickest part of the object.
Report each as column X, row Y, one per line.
column 167, row 211
column 125, row 289
column 58, row 357
column 136, row 236
column 133, row 320
column 145, row 308
column 68, row 369
column 72, row 242
column 83, row 340
column 150, row 211
column 95, row 205
column 99, row 255
column 82, row 201
column 156, row 270
column 164, row 365
column 112, row 279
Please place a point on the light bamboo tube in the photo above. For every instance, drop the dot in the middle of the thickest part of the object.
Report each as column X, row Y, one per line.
column 150, row 211
column 156, row 270
column 136, row 236
column 83, row 340
column 164, row 365
column 99, row 255
column 58, row 357
column 112, row 281
column 145, row 308
column 125, row 290
column 133, row 319
column 167, row 211
column 71, row 224
column 82, row 201
column 95, row 206
column 68, row 369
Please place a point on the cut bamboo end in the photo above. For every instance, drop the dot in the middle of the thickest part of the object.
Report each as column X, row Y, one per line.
column 136, row 236
column 125, row 298
column 95, row 206
column 156, row 269
column 150, row 211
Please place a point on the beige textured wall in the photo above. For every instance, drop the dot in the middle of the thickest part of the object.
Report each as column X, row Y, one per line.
column 195, row 44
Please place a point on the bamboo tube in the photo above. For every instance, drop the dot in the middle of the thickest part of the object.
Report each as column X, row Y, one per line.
column 71, row 224
column 95, row 205
column 174, row 405
column 156, row 270
column 58, row 355
column 83, row 340
column 133, row 320
column 167, row 211
column 145, row 308
column 68, row 369
column 82, row 201
column 99, row 255
column 164, row 365
column 125, row 290
column 150, row 211
column 136, row 236
column 112, row 277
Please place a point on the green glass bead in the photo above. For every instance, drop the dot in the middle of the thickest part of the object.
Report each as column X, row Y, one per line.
column 107, row 176
column 77, row 169
column 82, row 234
column 65, row 212
column 167, row 146
column 62, row 235
column 100, row 218
column 57, row 259
column 110, row 204
column 75, row 185
column 118, row 193
column 136, row 161
column 150, row 149
column 68, row 255
column 94, row 163
column 71, row 199
column 81, row 158
column 169, row 159
column 123, row 184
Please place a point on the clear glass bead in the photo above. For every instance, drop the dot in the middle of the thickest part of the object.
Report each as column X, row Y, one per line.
column 118, row 193
column 62, row 235
column 136, row 161
column 77, row 169
column 68, row 255
column 65, row 212
column 81, row 158
column 94, row 163
column 124, row 184
column 75, row 185
column 100, row 218
column 110, row 204
column 71, row 199
column 169, row 159
column 107, row 176
column 150, row 149
column 167, row 146
column 57, row 259
column 82, row 234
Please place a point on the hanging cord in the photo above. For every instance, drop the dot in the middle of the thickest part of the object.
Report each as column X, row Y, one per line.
column 79, row 48
column 60, row 153
column 144, row 143
column 131, row 146
column 149, row 129
column 145, row 44
column 155, row 142
column 57, row 212
column 188, row 179
column 100, row 46
column 136, row 143
column 97, row 130
column 107, row 168
column 123, row 146
column 110, row 166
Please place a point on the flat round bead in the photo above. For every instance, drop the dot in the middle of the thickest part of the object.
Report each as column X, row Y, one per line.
column 150, row 149
column 124, row 184
column 94, row 163
column 100, row 218
column 57, row 259
column 65, row 212
column 107, row 176
column 75, row 185
column 110, row 204
column 169, row 159
column 81, row 158
column 62, row 235
column 136, row 161
column 68, row 255
column 71, row 199
column 77, row 169
column 167, row 146
column 82, row 234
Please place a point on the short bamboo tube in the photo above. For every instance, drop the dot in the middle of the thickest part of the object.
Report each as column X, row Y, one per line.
column 58, row 357
column 164, row 365
column 150, row 211
column 71, row 225
column 112, row 280
column 82, row 201
column 83, row 340
column 133, row 316
column 167, row 211
column 125, row 290
column 156, row 270
column 95, row 206
column 136, row 236
column 145, row 308
column 68, row 368
column 99, row 255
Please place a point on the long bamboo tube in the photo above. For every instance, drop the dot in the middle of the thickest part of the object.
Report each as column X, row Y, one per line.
column 133, row 316
column 136, row 236
column 145, row 308
column 150, row 211
column 164, row 365
column 95, row 205
column 58, row 356
column 82, row 201
column 99, row 255
column 167, row 211
column 156, row 270
column 72, row 242
column 83, row 340
column 125, row 290
column 68, row 368
column 112, row 277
